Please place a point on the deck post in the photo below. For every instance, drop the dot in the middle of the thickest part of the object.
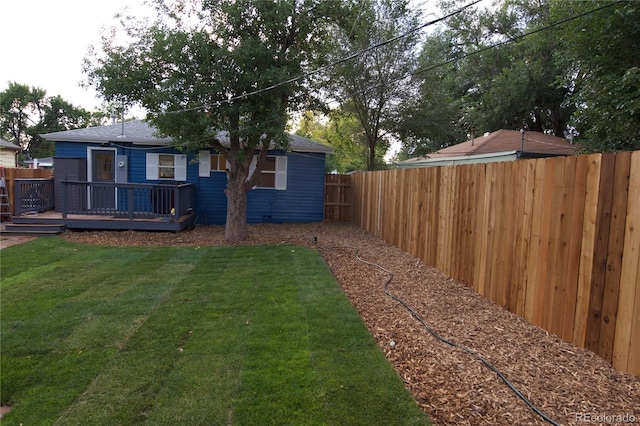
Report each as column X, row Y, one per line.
column 131, row 202
column 64, row 200
column 17, row 203
column 176, row 201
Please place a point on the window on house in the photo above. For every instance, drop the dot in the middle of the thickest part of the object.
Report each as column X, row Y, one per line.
column 274, row 173
column 218, row 163
column 166, row 167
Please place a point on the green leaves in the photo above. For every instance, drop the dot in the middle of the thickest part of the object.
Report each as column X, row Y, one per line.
column 26, row 112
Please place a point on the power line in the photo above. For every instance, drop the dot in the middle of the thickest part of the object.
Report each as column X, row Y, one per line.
column 328, row 66
column 484, row 49
column 459, row 58
column 419, row 71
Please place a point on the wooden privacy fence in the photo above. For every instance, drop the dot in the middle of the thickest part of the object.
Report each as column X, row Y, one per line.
column 337, row 197
column 556, row 241
column 11, row 174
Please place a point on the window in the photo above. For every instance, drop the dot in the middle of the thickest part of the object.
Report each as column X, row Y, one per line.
column 211, row 163
column 268, row 176
column 166, row 167
column 274, row 173
column 218, row 163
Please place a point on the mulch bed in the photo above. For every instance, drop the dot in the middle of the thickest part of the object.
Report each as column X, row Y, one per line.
column 568, row 384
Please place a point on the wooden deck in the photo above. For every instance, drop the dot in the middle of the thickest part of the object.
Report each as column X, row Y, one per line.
column 97, row 222
column 42, row 207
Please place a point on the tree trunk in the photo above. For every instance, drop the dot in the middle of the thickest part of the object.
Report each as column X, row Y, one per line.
column 236, row 226
column 371, row 161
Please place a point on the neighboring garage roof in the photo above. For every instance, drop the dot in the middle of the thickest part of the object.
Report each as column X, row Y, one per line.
column 509, row 140
column 8, row 145
column 141, row 133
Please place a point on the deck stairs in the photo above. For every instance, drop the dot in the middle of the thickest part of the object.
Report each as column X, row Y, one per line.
column 35, row 229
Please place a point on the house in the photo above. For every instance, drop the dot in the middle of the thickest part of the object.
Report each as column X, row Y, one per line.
column 132, row 179
column 8, row 154
column 501, row 145
column 39, row 163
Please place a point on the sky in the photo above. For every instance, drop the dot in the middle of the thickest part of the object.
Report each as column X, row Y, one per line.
column 43, row 43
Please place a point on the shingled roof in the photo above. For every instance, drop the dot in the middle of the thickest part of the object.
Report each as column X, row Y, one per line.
column 8, row 145
column 509, row 140
column 141, row 133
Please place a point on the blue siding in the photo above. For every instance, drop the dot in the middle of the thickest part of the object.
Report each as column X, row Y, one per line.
column 211, row 199
column 72, row 150
column 303, row 201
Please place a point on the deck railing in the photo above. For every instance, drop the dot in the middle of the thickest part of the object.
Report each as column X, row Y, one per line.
column 33, row 195
column 127, row 200
column 121, row 200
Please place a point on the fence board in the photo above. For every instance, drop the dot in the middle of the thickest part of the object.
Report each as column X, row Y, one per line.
column 589, row 235
column 603, row 225
column 544, row 243
column 627, row 324
column 518, row 179
column 532, row 266
column 564, row 246
column 578, row 192
column 614, row 255
column 483, row 246
column 467, row 214
column 553, row 240
column 337, row 197
column 553, row 297
column 527, row 257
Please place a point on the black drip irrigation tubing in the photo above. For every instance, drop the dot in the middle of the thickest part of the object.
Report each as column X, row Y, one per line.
column 471, row 352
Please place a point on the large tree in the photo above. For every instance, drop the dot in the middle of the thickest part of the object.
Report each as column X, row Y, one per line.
column 430, row 120
column 502, row 77
column 344, row 133
column 556, row 66
column 210, row 74
column 26, row 112
column 601, row 58
column 372, row 84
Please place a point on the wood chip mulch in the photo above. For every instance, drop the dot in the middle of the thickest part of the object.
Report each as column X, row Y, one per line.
column 570, row 385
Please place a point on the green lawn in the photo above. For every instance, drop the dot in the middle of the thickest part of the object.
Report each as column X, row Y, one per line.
column 251, row 335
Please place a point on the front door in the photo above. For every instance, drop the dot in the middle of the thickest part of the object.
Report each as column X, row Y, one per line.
column 103, row 170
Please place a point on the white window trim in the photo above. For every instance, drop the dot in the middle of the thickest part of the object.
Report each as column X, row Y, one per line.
column 179, row 164
column 280, row 172
column 204, row 166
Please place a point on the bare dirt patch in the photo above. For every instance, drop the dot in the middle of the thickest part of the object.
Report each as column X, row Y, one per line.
column 569, row 384
column 8, row 241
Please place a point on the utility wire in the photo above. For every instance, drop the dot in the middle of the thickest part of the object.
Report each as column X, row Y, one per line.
column 423, row 70
column 328, row 66
column 484, row 49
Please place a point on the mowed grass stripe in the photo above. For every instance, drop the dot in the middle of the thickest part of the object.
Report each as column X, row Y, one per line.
column 217, row 335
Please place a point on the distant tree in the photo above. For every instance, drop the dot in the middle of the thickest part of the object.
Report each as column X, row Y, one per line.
column 21, row 107
column 206, row 67
column 430, row 120
column 370, row 86
column 26, row 112
column 503, row 84
column 601, row 58
column 344, row 133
